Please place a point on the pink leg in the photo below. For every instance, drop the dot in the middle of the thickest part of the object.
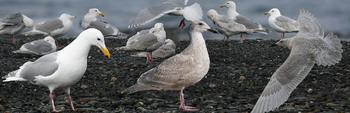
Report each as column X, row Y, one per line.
column 241, row 40
column 70, row 101
column 58, row 47
column 148, row 58
column 182, row 23
column 283, row 35
column 14, row 40
column 53, row 104
column 224, row 38
column 183, row 106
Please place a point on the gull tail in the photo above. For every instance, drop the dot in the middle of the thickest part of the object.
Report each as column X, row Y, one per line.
column 15, row 75
column 137, row 87
column 331, row 53
column 193, row 12
column 263, row 30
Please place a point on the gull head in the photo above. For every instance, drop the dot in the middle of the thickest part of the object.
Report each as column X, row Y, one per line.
column 159, row 26
column 283, row 42
column 96, row 38
column 170, row 42
column 200, row 26
column 65, row 15
column 229, row 4
column 49, row 39
column 212, row 15
column 96, row 12
column 273, row 12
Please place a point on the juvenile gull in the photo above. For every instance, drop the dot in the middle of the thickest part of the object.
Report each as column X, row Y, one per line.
column 308, row 48
column 146, row 41
column 166, row 50
column 38, row 47
column 226, row 26
column 281, row 23
column 55, row 28
column 181, row 70
column 171, row 7
column 90, row 21
column 234, row 15
column 13, row 24
column 61, row 69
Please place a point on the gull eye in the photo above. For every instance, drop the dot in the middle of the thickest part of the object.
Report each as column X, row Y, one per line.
column 98, row 39
column 227, row 3
column 200, row 23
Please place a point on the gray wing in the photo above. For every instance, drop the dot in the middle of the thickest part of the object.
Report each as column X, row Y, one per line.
column 11, row 20
column 286, row 78
column 103, row 26
column 50, row 25
column 39, row 46
column 179, row 2
column 228, row 25
column 286, row 23
column 246, row 22
column 309, row 25
column 163, row 51
column 142, row 42
column 44, row 66
column 152, row 13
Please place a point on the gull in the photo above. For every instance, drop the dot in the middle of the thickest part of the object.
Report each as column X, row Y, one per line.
column 146, row 41
column 281, row 23
column 90, row 21
column 38, row 47
column 166, row 50
column 13, row 24
column 171, row 7
column 308, row 48
column 181, row 70
column 55, row 28
column 234, row 15
column 63, row 68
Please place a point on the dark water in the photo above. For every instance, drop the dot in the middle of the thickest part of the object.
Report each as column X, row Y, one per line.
column 333, row 14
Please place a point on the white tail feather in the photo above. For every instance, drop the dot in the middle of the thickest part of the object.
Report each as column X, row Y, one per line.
column 193, row 12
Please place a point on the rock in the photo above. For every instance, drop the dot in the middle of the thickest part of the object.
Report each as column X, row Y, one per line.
column 309, row 90
column 241, row 78
column 212, row 85
column 330, row 104
column 113, row 79
column 84, row 100
column 93, row 102
column 347, row 89
column 83, row 86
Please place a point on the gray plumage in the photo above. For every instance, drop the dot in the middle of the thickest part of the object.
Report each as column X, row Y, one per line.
column 181, row 70
column 166, row 50
column 38, row 47
column 281, row 23
column 308, row 48
column 14, row 23
column 172, row 7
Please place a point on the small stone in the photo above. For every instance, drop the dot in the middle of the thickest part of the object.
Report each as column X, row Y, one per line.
column 309, row 91
column 113, row 79
column 212, row 85
column 347, row 89
column 138, row 104
column 83, row 86
column 330, row 104
column 141, row 109
column 240, row 82
column 1, row 107
column 241, row 78
column 93, row 102
column 84, row 100
column 154, row 105
column 111, row 83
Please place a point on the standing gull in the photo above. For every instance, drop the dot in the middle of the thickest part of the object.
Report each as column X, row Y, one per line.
column 38, row 47
column 226, row 26
column 61, row 69
column 166, row 50
column 90, row 21
column 171, row 7
column 308, row 48
column 181, row 70
column 13, row 24
column 281, row 23
column 146, row 41
column 234, row 15
column 55, row 28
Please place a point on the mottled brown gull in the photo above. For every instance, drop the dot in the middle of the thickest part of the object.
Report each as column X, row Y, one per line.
column 226, row 26
column 90, row 21
column 13, row 24
column 61, row 69
column 181, row 70
column 146, row 41
column 55, row 28
column 171, row 7
column 281, row 23
column 166, row 50
column 38, row 47
column 234, row 15
column 308, row 48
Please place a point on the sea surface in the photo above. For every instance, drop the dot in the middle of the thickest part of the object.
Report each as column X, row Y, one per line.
column 334, row 15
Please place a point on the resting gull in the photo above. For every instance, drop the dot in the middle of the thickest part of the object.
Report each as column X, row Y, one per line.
column 226, row 26
column 55, row 28
column 61, row 69
column 281, row 23
column 146, row 41
column 13, row 24
column 308, row 48
column 181, row 70
column 166, row 50
column 38, row 47
column 171, row 7
column 234, row 15
column 90, row 21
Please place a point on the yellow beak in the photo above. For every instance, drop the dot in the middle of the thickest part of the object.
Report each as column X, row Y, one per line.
column 105, row 52
column 103, row 15
column 266, row 13
column 160, row 28
column 74, row 17
column 222, row 6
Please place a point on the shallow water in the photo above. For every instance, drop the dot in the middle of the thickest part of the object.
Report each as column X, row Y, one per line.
column 333, row 14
